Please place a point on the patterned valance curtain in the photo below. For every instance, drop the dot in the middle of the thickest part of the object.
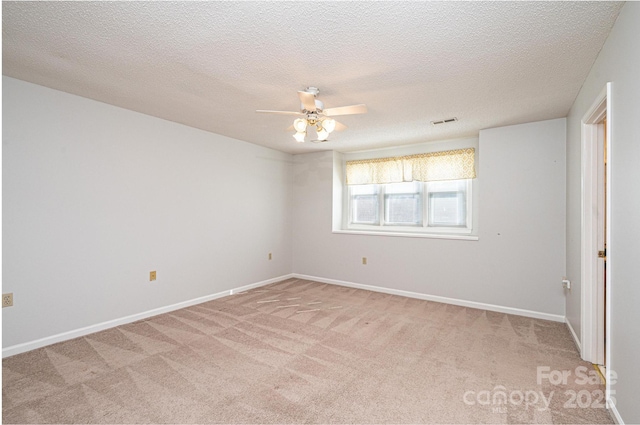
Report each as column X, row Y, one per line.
column 446, row 165
column 368, row 171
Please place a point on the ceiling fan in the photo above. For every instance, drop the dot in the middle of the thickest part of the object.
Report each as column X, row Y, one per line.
column 313, row 114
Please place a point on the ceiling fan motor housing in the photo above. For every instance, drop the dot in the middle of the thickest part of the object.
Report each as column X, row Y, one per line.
column 319, row 105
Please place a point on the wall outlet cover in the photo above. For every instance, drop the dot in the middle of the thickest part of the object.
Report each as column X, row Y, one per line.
column 7, row 300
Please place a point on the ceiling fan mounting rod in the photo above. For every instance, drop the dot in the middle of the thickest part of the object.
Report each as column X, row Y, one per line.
column 313, row 90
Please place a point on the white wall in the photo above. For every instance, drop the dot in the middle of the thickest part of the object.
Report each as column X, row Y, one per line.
column 95, row 197
column 619, row 63
column 518, row 260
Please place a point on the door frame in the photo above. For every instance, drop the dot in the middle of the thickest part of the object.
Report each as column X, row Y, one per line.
column 591, row 312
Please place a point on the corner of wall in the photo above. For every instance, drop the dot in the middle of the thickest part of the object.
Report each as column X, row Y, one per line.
column 338, row 195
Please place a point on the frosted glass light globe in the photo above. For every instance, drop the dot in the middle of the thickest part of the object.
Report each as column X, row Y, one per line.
column 329, row 124
column 300, row 125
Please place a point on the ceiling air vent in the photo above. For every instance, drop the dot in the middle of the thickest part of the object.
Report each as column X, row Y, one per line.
column 448, row 120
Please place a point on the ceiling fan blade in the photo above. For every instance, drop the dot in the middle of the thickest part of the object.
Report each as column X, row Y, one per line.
column 345, row 110
column 308, row 100
column 262, row 111
column 340, row 126
column 290, row 128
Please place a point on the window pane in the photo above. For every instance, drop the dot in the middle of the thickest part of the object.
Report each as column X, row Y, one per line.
column 403, row 209
column 447, row 209
column 364, row 209
column 410, row 187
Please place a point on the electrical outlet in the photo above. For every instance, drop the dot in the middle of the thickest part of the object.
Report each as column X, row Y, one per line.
column 364, row 260
column 7, row 300
column 152, row 276
column 270, row 256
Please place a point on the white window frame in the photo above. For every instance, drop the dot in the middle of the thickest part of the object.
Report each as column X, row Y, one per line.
column 424, row 227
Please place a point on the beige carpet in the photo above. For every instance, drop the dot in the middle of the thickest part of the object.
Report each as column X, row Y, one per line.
column 307, row 352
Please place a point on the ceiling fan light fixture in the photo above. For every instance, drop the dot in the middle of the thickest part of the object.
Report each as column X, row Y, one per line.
column 300, row 125
column 312, row 114
column 329, row 124
column 322, row 133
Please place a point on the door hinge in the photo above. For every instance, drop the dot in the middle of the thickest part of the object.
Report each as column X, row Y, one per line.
column 602, row 254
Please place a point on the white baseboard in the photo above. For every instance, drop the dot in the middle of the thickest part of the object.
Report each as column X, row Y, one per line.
column 575, row 336
column 32, row 345
column 445, row 300
column 615, row 415
column 42, row 342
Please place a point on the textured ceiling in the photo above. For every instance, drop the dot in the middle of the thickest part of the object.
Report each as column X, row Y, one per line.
column 211, row 65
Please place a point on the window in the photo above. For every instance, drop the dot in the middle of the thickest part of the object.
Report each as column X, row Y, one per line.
column 440, row 207
column 364, row 204
column 420, row 193
column 447, row 203
column 403, row 204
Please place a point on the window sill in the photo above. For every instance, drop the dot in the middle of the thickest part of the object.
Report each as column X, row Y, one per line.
column 409, row 235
